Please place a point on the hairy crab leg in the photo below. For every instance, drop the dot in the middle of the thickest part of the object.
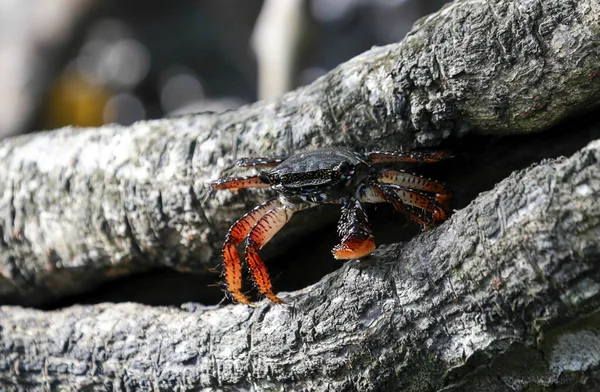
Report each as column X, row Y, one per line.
column 354, row 228
column 376, row 193
column 413, row 181
column 238, row 183
column 406, row 156
column 260, row 234
column 259, row 162
column 236, row 234
column 419, row 199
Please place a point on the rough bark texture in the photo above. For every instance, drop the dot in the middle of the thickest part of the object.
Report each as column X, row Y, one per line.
column 81, row 206
column 503, row 296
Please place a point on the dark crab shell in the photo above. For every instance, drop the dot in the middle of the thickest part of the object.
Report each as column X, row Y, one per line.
column 322, row 159
column 324, row 175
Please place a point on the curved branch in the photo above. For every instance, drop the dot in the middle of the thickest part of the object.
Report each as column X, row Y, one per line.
column 81, row 206
column 506, row 292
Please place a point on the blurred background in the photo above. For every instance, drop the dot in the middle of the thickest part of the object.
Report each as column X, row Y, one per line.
column 91, row 62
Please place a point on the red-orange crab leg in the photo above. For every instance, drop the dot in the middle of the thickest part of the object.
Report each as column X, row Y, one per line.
column 419, row 199
column 260, row 234
column 231, row 259
column 376, row 193
column 413, row 181
column 259, row 162
column 407, row 156
column 238, row 183
column 354, row 228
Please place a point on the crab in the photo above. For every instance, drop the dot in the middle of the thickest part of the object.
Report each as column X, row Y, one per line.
column 329, row 175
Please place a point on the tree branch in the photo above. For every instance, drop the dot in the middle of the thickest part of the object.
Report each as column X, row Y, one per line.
column 82, row 206
column 507, row 292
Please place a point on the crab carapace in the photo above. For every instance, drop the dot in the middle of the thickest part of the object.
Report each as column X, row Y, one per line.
column 330, row 175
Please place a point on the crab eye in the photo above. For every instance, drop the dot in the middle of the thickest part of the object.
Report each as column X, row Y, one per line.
column 344, row 168
column 264, row 177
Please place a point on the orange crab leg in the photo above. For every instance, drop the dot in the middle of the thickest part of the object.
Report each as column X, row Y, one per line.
column 414, row 181
column 260, row 234
column 231, row 259
column 259, row 162
column 238, row 183
column 418, row 199
column 407, row 156
column 357, row 239
column 376, row 193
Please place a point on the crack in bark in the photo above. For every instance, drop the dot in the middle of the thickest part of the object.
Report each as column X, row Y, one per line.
column 135, row 247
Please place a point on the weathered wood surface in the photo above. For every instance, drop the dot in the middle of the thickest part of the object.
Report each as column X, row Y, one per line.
column 78, row 207
column 503, row 296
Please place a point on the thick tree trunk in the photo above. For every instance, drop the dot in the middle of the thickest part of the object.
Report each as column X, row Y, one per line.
column 503, row 296
column 78, row 207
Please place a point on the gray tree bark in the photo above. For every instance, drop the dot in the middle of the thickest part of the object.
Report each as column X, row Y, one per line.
column 79, row 207
column 503, row 296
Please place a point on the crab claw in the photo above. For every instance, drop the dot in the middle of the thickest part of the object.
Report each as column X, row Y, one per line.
column 354, row 248
column 357, row 239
